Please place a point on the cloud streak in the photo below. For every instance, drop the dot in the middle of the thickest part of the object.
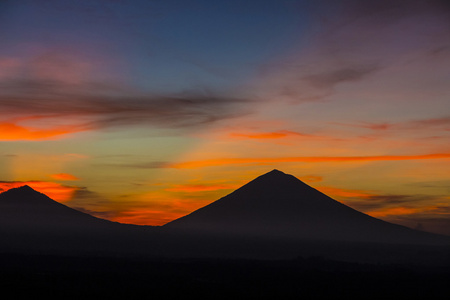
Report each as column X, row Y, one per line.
column 270, row 135
column 303, row 159
column 64, row 177
column 193, row 188
column 66, row 88
column 11, row 131
column 353, row 41
column 157, row 212
column 427, row 212
column 105, row 111
column 436, row 124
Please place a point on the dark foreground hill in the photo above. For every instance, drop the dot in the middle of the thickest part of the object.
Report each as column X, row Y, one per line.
column 65, row 277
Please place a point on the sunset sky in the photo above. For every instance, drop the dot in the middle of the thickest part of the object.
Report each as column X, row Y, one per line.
column 143, row 111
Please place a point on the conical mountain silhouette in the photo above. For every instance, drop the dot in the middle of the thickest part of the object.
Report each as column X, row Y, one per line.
column 31, row 222
column 25, row 208
column 280, row 205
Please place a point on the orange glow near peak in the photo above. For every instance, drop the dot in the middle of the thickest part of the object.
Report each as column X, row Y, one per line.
column 393, row 211
column 64, row 176
column 53, row 190
column 10, row 131
column 311, row 178
column 332, row 192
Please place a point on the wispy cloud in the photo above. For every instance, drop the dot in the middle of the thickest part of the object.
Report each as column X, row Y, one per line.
column 92, row 203
column 304, row 159
column 270, row 135
column 340, row 192
column 192, row 188
column 327, row 80
column 353, row 41
column 157, row 212
column 70, row 90
column 121, row 109
column 435, row 123
column 378, row 203
column 433, row 219
column 12, row 131
column 140, row 165
column 420, row 211
column 274, row 160
column 440, row 123
column 64, row 177
column 311, row 178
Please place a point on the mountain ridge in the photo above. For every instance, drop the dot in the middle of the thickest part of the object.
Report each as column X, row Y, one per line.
column 273, row 205
column 25, row 208
column 244, row 224
column 280, row 205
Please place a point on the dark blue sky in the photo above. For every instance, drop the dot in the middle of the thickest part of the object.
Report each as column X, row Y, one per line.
column 161, row 46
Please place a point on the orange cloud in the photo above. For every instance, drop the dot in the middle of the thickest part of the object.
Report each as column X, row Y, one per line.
column 265, row 161
column 311, row 178
column 333, row 192
column 64, row 176
column 53, row 190
column 201, row 187
column 10, row 131
column 268, row 135
column 395, row 211
column 155, row 209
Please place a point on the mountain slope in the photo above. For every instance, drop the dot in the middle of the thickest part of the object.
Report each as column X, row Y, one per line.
column 31, row 222
column 281, row 206
column 26, row 209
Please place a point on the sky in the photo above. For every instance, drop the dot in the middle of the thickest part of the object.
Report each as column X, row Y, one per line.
column 144, row 111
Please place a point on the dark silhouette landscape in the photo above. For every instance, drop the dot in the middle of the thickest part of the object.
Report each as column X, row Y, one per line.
column 138, row 141
column 274, row 236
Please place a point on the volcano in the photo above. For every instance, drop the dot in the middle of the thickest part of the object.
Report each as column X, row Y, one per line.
column 31, row 222
column 25, row 209
column 279, row 205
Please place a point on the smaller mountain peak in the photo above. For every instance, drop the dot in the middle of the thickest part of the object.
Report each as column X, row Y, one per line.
column 22, row 191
